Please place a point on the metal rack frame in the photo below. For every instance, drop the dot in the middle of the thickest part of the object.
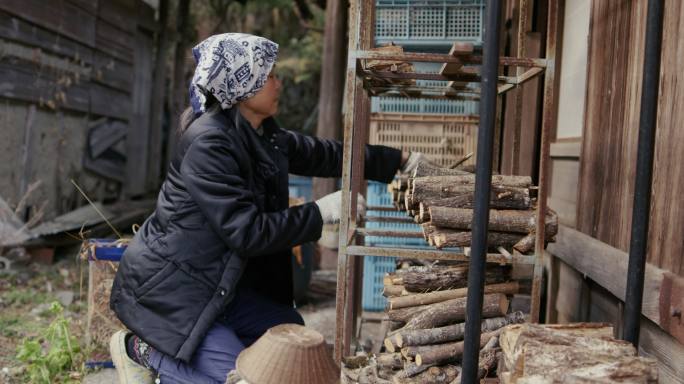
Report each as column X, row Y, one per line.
column 356, row 126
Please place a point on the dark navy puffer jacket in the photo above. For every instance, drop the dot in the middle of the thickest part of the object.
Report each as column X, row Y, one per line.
column 222, row 223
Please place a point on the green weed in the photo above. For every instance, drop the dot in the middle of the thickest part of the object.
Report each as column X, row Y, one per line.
column 54, row 354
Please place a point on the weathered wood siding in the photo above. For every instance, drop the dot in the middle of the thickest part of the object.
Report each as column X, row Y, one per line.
column 593, row 175
column 607, row 170
column 76, row 62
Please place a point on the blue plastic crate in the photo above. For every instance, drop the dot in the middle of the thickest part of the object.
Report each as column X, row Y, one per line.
column 378, row 195
column 300, row 186
column 374, row 269
column 428, row 23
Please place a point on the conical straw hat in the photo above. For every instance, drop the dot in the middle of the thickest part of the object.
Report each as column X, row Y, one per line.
column 288, row 354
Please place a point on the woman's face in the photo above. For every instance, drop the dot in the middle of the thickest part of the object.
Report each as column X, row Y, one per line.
column 265, row 102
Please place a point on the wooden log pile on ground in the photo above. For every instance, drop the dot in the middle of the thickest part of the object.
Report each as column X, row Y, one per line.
column 426, row 311
column 442, row 201
column 570, row 353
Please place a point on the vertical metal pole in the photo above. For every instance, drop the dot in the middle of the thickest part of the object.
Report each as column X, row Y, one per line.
column 644, row 166
column 483, row 181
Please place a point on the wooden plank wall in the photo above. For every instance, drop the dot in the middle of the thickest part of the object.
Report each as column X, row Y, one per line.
column 666, row 237
column 524, row 162
column 81, row 57
column 593, row 181
column 607, row 170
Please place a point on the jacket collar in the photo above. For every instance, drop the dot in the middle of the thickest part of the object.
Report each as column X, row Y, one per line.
column 252, row 141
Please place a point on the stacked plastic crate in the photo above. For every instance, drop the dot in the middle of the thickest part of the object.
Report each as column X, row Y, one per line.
column 445, row 130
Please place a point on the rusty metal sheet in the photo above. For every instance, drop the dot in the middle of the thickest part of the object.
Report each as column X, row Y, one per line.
column 672, row 305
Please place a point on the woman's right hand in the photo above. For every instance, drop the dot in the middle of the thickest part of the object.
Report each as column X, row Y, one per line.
column 330, row 207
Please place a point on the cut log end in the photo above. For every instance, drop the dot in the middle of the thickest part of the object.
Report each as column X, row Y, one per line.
column 389, row 345
column 423, row 213
column 503, row 303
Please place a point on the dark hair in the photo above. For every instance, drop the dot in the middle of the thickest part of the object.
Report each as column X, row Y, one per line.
column 188, row 115
column 186, row 118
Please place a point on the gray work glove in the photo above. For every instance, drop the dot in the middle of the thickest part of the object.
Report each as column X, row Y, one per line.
column 330, row 207
column 411, row 164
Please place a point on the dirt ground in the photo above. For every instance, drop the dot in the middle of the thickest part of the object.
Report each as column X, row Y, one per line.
column 26, row 294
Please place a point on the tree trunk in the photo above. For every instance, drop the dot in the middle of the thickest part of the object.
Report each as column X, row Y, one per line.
column 588, row 337
column 410, row 370
column 463, row 196
column 525, row 244
column 417, row 299
column 438, row 183
column 393, row 290
column 428, row 230
column 405, row 314
column 331, row 91
column 390, row 360
column 434, row 278
column 155, row 160
column 179, row 94
column 451, row 332
column 425, row 169
column 463, row 239
column 499, row 220
column 450, row 311
column 442, row 353
column 423, row 215
column 454, row 277
column 487, row 363
column 433, row 375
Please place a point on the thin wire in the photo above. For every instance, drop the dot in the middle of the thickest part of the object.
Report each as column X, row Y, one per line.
column 96, row 209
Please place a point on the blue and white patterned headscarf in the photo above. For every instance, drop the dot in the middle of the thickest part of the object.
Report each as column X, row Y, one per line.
column 231, row 67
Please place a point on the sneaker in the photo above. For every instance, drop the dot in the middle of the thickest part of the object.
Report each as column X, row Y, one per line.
column 128, row 370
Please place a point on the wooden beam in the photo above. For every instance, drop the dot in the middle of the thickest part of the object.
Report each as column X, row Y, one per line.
column 607, row 266
column 458, row 49
column 569, row 148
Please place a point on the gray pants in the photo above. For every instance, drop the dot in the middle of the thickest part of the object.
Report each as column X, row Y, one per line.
column 247, row 317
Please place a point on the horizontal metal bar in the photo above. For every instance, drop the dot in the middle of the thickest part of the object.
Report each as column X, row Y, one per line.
column 406, row 56
column 461, row 78
column 451, row 96
column 381, row 208
column 434, row 91
column 444, row 90
column 520, row 80
column 389, row 219
column 466, row 77
column 444, row 58
column 433, row 254
column 388, row 233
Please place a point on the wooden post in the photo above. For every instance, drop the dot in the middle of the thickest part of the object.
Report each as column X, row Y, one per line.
column 155, row 160
column 332, row 83
column 550, row 109
column 178, row 96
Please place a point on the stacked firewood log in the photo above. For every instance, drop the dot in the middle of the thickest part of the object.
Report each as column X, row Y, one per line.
column 570, row 353
column 442, row 201
column 426, row 312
